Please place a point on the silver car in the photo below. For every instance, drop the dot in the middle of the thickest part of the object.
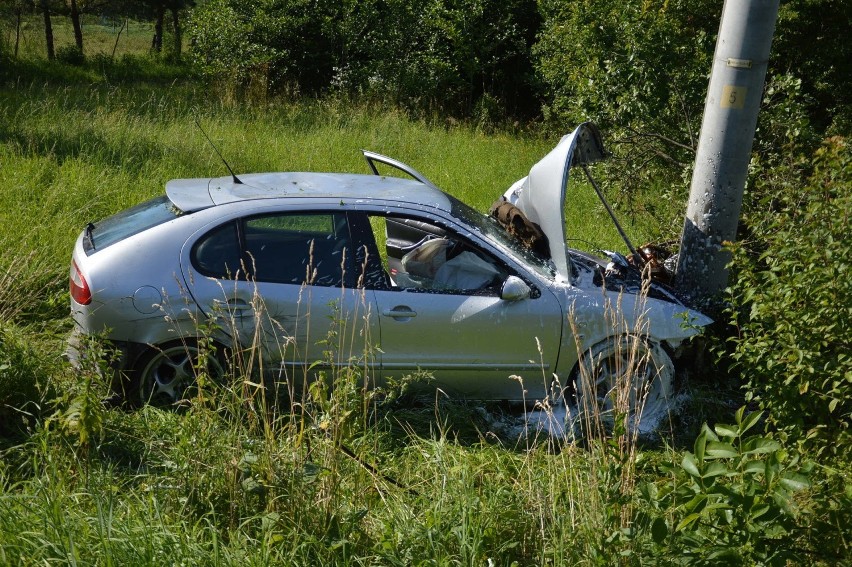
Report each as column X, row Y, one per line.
column 310, row 271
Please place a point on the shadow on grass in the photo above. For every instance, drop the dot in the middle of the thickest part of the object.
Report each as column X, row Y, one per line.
column 94, row 70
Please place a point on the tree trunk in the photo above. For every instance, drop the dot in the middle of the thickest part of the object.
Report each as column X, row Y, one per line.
column 178, row 34
column 17, row 30
column 78, row 29
column 48, row 30
column 157, row 41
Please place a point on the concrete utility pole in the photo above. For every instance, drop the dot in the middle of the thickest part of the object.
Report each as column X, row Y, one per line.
column 724, row 147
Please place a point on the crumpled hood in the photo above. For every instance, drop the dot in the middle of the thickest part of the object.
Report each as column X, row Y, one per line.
column 541, row 195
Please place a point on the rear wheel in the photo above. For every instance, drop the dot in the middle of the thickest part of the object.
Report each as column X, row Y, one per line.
column 628, row 378
column 169, row 376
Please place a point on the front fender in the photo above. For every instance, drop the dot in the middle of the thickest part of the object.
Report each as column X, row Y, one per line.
column 595, row 319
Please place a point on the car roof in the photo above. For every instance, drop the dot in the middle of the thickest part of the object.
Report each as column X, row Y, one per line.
column 191, row 195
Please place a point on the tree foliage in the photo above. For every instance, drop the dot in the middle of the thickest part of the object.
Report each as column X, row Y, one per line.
column 639, row 70
column 428, row 55
column 792, row 306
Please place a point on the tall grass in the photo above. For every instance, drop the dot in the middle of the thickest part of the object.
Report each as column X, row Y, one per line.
column 336, row 477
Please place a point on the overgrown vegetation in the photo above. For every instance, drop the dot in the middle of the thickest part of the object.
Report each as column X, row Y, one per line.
column 793, row 309
column 357, row 477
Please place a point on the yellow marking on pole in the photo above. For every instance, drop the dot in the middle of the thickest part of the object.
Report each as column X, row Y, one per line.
column 733, row 97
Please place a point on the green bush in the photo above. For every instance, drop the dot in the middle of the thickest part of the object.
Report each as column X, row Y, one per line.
column 637, row 69
column 792, row 306
column 70, row 54
column 729, row 502
column 430, row 56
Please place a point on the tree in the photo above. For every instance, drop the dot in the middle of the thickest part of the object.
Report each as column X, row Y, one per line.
column 75, row 23
column 812, row 44
column 159, row 9
column 637, row 69
column 48, row 29
column 444, row 56
column 15, row 9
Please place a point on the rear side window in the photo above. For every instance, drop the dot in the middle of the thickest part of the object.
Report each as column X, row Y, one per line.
column 217, row 254
column 298, row 248
column 289, row 248
column 129, row 222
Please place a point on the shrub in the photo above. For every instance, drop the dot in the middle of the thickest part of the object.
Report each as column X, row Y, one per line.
column 729, row 502
column 792, row 306
column 425, row 55
column 71, row 55
column 639, row 70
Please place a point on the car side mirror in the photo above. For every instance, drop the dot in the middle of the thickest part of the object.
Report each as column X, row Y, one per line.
column 514, row 289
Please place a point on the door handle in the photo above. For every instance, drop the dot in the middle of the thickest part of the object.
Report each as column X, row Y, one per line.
column 400, row 313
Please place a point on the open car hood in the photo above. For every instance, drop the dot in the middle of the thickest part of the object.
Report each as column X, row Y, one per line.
column 541, row 195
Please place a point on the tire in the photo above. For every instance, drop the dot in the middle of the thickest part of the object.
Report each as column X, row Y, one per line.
column 629, row 377
column 167, row 376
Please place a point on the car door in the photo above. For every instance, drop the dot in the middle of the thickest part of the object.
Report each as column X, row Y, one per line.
column 454, row 324
column 282, row 286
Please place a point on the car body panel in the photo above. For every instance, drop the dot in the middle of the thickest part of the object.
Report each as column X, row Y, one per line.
column 290, row 322
column 469, row 343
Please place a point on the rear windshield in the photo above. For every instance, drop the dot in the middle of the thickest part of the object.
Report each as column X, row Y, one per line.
column 129, row 222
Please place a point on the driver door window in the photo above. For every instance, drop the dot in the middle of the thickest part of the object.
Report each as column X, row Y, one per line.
column 425, row 257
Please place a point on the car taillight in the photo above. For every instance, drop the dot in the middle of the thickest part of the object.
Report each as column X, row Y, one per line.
column 79, row 287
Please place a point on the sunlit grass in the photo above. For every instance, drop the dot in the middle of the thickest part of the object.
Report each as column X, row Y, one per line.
column 101, row 36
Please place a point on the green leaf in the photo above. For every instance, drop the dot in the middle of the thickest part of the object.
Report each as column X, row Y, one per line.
column 758, row 445
column 754, row 467
column 689, row 465
column 699, row 445
column 697, row 504
column 711, row 436
column 739, row 415
column 714, row 469
column 750, row 421
column 759, row 511
column 686, row 522
column 794, row 481
column 724, row 430
column 718, row 450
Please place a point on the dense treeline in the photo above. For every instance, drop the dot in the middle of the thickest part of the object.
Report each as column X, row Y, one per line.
column 638, row 69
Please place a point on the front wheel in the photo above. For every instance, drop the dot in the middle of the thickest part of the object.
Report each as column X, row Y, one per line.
column 627, row 380
column 169, row 376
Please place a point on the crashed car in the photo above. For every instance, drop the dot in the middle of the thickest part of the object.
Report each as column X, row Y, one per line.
column 404, row 276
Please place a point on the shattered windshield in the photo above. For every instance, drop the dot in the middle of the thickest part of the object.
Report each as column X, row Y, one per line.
column 492, row 230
